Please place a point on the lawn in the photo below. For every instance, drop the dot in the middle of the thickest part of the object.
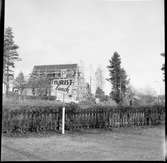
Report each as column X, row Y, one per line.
column 92, row 144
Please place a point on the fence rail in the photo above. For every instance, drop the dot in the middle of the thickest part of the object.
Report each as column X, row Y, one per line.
column 49, row 119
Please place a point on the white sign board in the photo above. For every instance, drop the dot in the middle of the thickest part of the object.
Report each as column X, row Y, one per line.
column 62, row 84
column 64, row 87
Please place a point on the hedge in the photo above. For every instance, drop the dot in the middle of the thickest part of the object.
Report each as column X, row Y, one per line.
column 24, row 118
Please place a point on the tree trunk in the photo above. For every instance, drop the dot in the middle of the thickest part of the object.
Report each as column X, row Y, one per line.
column 7, row 82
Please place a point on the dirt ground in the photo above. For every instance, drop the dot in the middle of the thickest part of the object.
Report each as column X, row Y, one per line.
column 91, row 144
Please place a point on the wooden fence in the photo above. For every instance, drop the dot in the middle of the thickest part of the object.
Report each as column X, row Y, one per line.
column 101, row 118
column 25, row 121
column 50, row 119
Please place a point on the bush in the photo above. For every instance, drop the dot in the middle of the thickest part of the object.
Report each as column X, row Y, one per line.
column 31, row 116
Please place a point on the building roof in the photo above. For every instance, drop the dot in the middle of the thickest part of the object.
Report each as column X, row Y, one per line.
column 48, row 68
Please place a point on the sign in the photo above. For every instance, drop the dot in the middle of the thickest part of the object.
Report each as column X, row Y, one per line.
column 61, row 81
column 61, row 88
column 62, row 84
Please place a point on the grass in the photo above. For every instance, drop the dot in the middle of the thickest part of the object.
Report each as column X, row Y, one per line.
column 96, row 144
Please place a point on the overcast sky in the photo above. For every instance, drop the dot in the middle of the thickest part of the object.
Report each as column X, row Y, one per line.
column 67, row 31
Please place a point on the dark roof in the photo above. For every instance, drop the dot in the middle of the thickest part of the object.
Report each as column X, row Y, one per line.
column 54, row 67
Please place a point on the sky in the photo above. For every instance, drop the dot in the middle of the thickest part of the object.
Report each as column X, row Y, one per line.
column 71, row 31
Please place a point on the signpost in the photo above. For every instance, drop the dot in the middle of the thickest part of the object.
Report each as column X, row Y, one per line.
column 63, row 86
column 63, row 116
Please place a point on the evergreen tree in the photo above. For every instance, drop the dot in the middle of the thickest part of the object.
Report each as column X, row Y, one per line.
column 114, row 72
column 118, row 78
column 100, row 94
column 10, row 57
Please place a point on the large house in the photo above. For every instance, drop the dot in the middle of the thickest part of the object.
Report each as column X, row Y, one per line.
column 65, row 81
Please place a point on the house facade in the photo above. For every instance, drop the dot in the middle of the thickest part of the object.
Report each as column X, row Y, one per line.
column 65, row 81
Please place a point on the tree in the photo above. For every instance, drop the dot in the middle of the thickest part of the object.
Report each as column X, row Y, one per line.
column 99, row 78
column 20, row 83
column 118, row 78
column 114, row 70
column 146, row 96
column 130, row 94
column 123, row 83
column 163, row 66
column 10, row 57
column 41, row 83
column 88, row 94
column 88, row 88
column 146, row 99
column 100, row 94
column 81, row 81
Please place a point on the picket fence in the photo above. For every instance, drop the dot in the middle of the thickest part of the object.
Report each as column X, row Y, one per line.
column 50, row 120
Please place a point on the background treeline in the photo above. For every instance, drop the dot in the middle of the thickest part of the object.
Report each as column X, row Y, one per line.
column 122, row 93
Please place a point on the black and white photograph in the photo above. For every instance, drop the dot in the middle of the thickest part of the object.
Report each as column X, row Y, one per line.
column 83, row 80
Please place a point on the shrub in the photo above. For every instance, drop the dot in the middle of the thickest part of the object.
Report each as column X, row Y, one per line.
column 31, row 116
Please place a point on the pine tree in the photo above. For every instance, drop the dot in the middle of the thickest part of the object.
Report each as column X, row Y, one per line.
column 114, row 72
column 118, row 78
column 100, row 94
column 10, row 57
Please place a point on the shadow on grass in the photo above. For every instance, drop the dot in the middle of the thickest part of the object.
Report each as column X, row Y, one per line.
column 32, row 134
column 73, row 132
column 81, row 131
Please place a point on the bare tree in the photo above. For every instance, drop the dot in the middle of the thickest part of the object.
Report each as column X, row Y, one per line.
column 20, row 83
column 99, row 78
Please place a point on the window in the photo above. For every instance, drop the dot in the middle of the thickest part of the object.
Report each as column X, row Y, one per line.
column 52, row 75
column 57, row 74
column 70, row 73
